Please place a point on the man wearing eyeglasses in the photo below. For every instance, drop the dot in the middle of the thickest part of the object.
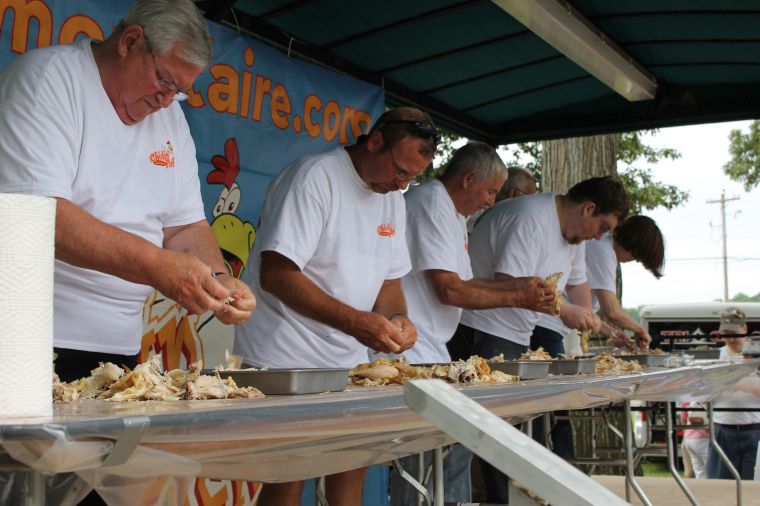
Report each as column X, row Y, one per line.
column 96, row 126
column 327, row 264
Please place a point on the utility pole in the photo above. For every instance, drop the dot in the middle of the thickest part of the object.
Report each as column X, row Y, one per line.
column 722, row 201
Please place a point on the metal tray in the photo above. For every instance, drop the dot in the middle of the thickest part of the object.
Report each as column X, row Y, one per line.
column 710, row 354
column 525, row 369
column 651, row 360
column 573, row 366
column 289, row 381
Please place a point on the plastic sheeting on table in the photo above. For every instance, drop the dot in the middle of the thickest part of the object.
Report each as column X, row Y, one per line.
column 115, row 447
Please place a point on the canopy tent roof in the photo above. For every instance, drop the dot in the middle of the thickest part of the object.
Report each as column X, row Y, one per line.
column 484, row 75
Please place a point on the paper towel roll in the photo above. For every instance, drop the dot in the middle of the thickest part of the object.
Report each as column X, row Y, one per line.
column 27, row 235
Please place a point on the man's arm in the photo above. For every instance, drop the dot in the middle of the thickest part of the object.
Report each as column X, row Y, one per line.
column 84, row 241
column 391, row 303
column 283, row 279
column 614, row 312
column 480, row 293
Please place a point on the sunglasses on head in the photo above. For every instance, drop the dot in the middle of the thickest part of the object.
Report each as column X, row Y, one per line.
column 419, row 129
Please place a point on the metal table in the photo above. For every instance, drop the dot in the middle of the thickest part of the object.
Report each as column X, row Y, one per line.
column 284, row 438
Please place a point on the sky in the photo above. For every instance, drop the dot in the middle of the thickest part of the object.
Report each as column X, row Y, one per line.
column 693, row 257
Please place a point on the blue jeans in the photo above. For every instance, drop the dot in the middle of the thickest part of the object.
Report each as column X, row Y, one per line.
column 456, row 478
column 740, row 446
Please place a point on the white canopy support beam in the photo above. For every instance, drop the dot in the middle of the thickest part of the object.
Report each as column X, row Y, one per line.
column 565, row 29
column 504, row 447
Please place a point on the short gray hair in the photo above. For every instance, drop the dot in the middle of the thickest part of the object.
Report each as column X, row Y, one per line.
column 518, row 178
column 478, row 157
column 167, row 22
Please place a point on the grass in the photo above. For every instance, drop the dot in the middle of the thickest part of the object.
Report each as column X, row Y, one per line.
column 656, row 468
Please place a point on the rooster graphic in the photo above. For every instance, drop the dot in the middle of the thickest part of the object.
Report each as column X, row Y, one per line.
column 235, row 236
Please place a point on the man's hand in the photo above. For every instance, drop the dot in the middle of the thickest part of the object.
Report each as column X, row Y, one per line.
column 379, row 333
column 577, row 317
column 188, row 281
column 242, row 304
column 532, row 293
column 642, row 338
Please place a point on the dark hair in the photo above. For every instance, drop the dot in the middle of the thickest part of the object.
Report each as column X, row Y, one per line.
column 641, row 236
column 606, row 192
column 396, row 124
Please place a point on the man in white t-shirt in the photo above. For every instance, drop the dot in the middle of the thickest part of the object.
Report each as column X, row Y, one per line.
column 536, row 235
column 638, row 239
column 97, row 126
column 327, row 264
column 736, row 432
column 519, row 182
column 440, row 283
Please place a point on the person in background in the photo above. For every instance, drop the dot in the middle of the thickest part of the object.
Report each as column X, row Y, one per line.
column 637, row 239
column 98, row 126
column 696, row 442
column 519, row 182
column 537, row 235
column 736, row 432
column 327, row 264
column 733, row 327
column 440, row 283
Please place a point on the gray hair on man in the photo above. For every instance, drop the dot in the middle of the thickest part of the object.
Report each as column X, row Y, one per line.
column 478, row 157
column 168, row 22
column 518, row 178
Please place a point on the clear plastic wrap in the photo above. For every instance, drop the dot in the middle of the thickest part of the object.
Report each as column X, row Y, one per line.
column 121, row 448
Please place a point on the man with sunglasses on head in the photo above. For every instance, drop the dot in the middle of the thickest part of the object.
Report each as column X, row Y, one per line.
column 327, row 264
column 441, row 283
column 96, row 125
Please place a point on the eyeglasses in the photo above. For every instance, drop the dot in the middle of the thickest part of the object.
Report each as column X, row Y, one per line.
column 402, row 175
column 420, row 129
column 167, row 86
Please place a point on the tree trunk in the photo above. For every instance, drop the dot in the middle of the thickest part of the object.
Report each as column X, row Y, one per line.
column 564, row 163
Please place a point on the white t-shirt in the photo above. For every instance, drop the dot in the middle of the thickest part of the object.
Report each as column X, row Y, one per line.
column 61, row 137
column 344, row 237
column 521, row 237
column 437, row 238
column 601, row 266
column 739, row 396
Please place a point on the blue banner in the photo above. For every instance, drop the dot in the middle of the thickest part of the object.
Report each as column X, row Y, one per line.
column 251, row 112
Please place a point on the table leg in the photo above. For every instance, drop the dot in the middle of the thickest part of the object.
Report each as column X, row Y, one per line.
column 438, row 483
column 630, row 478
column 35, row 486
column 672, row 452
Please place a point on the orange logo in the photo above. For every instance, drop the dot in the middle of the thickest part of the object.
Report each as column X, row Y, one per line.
column 386, row 230
column 165, row 157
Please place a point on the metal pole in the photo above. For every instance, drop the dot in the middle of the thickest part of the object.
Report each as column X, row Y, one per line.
column 438, row 469
column 629, row 476
column 671, row 454
column 722, row 201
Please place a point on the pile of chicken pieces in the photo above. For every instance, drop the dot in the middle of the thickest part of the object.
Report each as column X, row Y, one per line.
column 149, row 382
column 386, row 371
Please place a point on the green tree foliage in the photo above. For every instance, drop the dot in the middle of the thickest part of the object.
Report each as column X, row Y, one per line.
column 645, row 191
column 743, row 297
column 744, row 165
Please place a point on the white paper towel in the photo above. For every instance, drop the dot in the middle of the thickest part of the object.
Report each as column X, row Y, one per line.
column 27, row 235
